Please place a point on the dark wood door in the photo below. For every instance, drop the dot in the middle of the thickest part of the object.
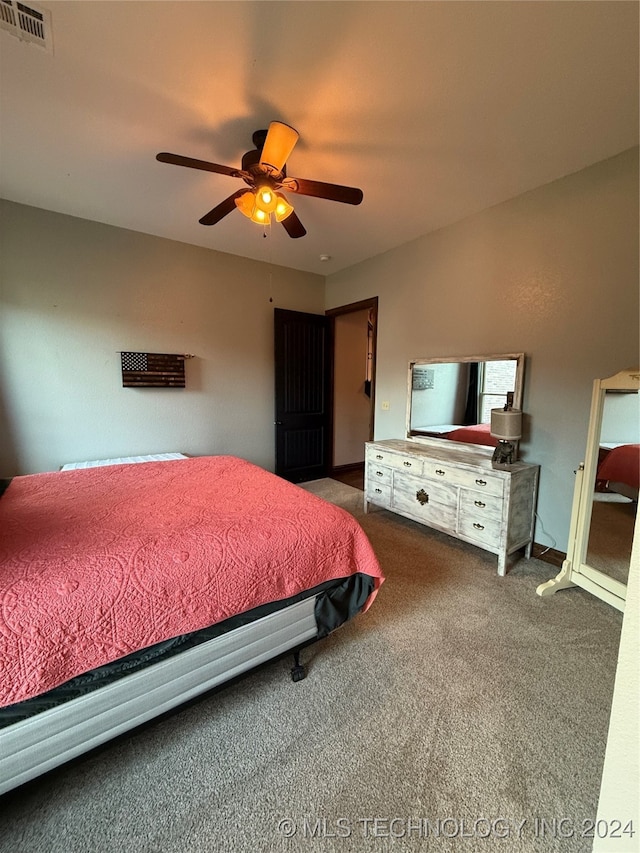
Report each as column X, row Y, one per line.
column 302, row 398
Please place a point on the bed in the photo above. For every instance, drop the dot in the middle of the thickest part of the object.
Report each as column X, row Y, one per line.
column 473, row 434
column 619, row 469
column 129, row 589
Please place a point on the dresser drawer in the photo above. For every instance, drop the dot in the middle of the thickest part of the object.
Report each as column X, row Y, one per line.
column 483, row 530
column 379, row 493
column 487, row 483
column 400, row 461
column 378, row 474
column 481, row 507
column 433, row 503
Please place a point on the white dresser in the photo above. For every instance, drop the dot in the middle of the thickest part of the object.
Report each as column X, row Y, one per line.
column 453, row 487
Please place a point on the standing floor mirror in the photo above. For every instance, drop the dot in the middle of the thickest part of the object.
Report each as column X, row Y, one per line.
column 605, row 497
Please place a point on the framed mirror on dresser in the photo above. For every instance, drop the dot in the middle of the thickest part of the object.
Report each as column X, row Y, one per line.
column 441, row 472
column 451, row 399
column 605, row 498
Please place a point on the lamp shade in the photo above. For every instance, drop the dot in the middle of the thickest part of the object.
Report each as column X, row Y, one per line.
column 245, row 203
column 283, row 208
column 278, row 145
column 260, row 216
column 266, row 199
column 506, row 424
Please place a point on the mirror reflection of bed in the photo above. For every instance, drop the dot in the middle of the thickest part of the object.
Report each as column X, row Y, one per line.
column 615, row 497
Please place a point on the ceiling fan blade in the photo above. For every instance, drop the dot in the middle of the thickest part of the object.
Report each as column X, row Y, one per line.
column 318, row 189
column 293, row 226
column 179, row 160
column 221, row 210
column 278, row 145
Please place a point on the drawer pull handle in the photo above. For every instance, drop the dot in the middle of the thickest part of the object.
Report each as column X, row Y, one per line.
column 379, row 456
column 378, row 491
column 440, row 472
column 379, row 473
column 407, row 464
column 480, row 504
column 478, row 526
column 481, row 482
column 422, row 497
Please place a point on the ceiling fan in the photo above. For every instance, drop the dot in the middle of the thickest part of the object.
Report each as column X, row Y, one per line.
column 264, row 171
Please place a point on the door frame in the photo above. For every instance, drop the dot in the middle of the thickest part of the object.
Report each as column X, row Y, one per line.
column 364, row 304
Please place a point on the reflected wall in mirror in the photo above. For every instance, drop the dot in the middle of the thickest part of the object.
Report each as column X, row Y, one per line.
column 451, row 398
column 605, row 497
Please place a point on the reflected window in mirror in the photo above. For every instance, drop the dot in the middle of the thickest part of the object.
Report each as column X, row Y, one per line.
column 451, row 398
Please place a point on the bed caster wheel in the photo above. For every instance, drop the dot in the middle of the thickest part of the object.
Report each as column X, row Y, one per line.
column 298, row 671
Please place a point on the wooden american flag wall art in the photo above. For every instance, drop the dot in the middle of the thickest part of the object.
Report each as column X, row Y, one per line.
column 152, row 370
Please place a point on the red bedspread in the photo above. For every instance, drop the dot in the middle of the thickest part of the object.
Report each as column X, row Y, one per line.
column 475, row 434
column 101, row 562
column 621, row 465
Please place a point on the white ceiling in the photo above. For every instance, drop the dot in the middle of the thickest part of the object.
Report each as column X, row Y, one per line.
column 436, row 110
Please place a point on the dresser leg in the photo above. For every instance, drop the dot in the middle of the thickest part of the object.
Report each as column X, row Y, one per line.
column 502, row 564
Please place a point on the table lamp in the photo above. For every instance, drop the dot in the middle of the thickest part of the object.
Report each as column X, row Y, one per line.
column 506, row 426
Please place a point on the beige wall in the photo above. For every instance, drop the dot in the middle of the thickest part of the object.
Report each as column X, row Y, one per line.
column 553, row 273
column 73, row 293
column 352, row 407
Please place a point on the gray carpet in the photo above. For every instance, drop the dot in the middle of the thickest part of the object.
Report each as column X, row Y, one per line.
column 611, row 535
column 462, row 712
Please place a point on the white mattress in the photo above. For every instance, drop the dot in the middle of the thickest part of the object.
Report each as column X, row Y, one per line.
column 437, row 428
column 123, row 460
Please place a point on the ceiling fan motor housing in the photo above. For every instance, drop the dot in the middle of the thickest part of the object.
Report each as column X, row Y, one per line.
column 251, row 163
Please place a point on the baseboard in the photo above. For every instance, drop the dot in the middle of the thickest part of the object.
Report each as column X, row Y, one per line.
column 345, row 469
column 548, row 555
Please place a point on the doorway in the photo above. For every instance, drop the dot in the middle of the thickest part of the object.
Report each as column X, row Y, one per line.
column 324, row 396
column 353, row 336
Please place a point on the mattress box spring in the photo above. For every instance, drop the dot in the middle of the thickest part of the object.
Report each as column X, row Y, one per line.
column 336, row 602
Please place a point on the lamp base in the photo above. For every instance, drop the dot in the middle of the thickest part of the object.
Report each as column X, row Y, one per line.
column 505, row 454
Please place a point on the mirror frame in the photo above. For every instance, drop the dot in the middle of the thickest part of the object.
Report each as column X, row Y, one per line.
column 575, row 569
column 518, row 357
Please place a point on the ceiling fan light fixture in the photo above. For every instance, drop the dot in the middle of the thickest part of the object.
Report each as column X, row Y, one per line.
column 249, row 205
column 246, row 203
column 283, row 208
column 260, row 216
column 278, row 145
column 266, row 199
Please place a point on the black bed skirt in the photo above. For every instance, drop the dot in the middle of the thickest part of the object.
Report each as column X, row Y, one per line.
column 337, row 602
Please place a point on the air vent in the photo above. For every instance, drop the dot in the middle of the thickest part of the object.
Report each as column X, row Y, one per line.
column 27, row 22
